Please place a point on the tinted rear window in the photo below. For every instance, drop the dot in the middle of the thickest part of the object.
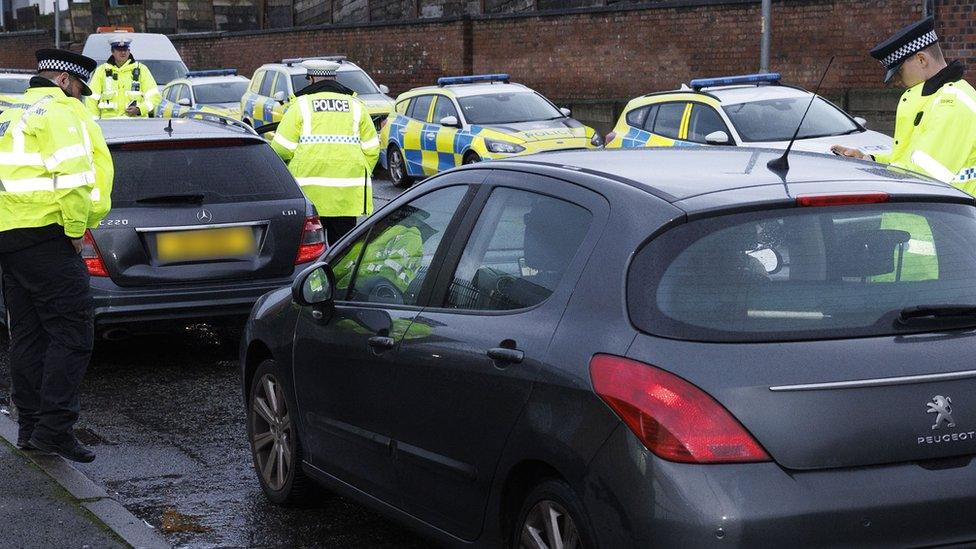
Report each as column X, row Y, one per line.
column 237, row 173
column 805, row 273
column 13, row 85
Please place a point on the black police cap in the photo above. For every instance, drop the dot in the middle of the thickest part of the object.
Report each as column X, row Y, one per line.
column 75, row 64
column 904, row 44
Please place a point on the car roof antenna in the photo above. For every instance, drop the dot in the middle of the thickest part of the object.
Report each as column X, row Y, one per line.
column 169, row 127
column 781, row 165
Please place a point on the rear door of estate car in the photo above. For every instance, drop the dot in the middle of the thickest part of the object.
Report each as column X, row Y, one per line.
column 467, row 363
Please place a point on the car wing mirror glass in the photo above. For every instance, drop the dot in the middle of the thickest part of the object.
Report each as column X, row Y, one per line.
column 861, row 121
column 184, row 102
column 565, row 111
column 314, row 286
column 280, row 97
column 384, row 89
column 770, row 259
column 450, row 121
column 718, row 138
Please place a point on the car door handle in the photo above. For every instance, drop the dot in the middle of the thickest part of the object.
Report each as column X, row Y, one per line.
column 503, row 354
column 382, row 343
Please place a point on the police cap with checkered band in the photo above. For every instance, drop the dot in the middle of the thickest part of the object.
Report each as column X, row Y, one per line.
column 75, row 64
column 904, row 44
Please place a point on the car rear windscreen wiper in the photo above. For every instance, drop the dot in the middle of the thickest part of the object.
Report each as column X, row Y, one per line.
column 930, row 312
column 188, row 198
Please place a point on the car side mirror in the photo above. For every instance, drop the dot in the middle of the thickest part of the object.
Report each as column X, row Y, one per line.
column 184, row 102
column 450, row 121
column 314, row 286
column 280, row 96
column 565, row 111
column 718, row 138
column 862, row 121
column 384, row 89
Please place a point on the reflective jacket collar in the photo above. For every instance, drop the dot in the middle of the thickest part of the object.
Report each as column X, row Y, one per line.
column 41, row 87
column 325, row 86
column 129, row 63
column 952, row 73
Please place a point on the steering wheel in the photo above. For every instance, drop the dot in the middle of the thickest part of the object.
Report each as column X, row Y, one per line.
column 381, row 290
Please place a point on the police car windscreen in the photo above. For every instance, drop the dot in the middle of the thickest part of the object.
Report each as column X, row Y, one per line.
column 807, row 273
column 164, row 72
column 776, row 119
column 220, row 92
column 13, row 85
column 225, row 174
column 356, row 81
column 507, row 108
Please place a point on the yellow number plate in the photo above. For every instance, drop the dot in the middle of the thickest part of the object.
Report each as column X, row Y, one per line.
column 205, row 244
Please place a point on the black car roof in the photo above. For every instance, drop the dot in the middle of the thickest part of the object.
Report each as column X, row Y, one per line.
column 125, row 130
column 677, row 174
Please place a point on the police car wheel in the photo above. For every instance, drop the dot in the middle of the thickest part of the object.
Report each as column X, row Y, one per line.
column 398, row 167
column 276, row 450
column 471, row 158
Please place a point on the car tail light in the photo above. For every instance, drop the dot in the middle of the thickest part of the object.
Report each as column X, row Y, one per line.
column 610, row 137
column 313, row 240
column 92, row 257
column 671, row 417
column 840, row 199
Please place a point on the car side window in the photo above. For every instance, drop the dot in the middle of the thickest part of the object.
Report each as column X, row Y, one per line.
column 266, row 84
column 650, row 118
column 421, row 107
column 667, row 123
column 184, row 91
column 636, row 117
column 704, row 120
column 443, row 108
column 402, row 107
column 256, row 81
column 518, row 251
column 389, row 264
column 281, row 85
column 169, row 93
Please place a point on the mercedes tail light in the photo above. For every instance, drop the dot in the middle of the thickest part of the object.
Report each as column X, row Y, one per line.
column 91, row 255
column 313, row 240
column 671, row 417
column 840, row 199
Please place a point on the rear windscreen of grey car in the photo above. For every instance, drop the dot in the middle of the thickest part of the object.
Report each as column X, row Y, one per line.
column 201, row 171
column 809, row 273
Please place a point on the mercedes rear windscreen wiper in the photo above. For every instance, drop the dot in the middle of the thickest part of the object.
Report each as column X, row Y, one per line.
column 930, row 312
column 189, row 198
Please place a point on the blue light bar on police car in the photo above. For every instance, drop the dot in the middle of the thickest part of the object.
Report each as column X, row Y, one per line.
column 212, row 72
column 763, row 77
column 474, row 78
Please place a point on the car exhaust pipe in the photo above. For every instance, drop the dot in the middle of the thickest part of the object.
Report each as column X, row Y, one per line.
column 116, row 334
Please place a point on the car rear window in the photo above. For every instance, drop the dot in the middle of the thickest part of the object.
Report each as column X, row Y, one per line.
column 805, row 273
column 13, row 85
column 227, row 173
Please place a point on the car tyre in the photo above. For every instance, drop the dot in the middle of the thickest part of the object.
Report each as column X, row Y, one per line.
column 551, row 509
column 471, row 158
column 398, row 167
column 276, row 450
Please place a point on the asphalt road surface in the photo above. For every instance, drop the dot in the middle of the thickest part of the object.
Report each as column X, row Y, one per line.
column 166, row 417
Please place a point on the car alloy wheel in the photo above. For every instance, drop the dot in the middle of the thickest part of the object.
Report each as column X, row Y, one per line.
column 271, row 432
column 398, row 168
column 548, row 526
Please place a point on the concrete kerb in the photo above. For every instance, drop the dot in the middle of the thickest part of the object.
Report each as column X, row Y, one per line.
column 92, row 497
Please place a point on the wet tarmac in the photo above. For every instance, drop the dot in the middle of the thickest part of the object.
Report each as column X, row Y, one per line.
column 165, row 415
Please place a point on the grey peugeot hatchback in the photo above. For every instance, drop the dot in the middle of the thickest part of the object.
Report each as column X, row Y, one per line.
column 635, row 348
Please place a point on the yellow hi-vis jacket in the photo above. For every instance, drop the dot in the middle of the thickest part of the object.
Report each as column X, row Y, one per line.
column 114, row 88
column 101, row 195
column 331, row 147
column 936, row 134
column 47, row 167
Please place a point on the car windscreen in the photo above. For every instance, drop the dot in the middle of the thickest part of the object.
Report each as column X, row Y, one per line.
column 776, row 119
column 220, row 92
column 13, row 85
column 164, row 72
column 356, row 81
column 222, row 172
column 507, row 108
column 806, row 273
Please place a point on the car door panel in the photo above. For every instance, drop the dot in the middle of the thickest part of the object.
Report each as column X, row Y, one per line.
column 466, row 375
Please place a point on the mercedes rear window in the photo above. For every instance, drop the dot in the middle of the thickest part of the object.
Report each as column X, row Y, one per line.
column 776, row 119
column 809, row 273
column 217, row 172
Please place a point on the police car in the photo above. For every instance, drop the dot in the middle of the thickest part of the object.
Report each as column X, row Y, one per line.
column 274, row 85
column 468, row 119
column 214, row 91
column 754, row 110
column 13, row 83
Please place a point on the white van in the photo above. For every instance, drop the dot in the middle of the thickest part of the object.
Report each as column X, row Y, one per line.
column 152, row 50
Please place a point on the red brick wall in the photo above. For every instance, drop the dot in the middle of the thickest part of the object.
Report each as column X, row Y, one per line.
column 957, row 29
column 17, row 48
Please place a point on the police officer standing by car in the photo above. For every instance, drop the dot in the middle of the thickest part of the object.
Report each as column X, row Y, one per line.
column 935, row 128
column 329, row 142
column 47, row 179
column 123, row 86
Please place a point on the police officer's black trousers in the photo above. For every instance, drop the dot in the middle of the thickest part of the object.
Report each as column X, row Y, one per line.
column 47, row 293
